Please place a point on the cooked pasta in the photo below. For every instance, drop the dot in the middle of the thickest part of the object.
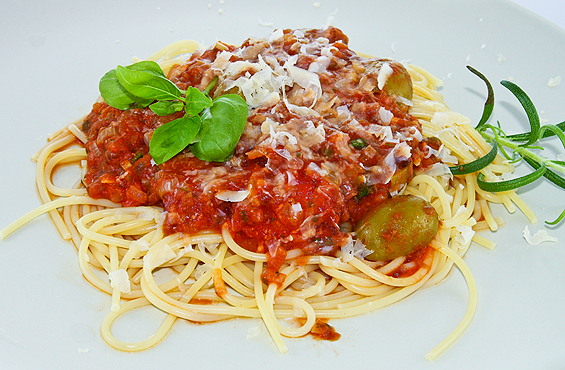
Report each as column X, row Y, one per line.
column 205, row 276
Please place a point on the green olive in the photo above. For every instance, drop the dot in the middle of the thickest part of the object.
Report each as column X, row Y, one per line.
column 398, row 83
column 403, row 175
column 397, row 227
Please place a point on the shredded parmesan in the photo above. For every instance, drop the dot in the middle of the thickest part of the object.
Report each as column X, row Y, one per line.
column 554, row 81
column 446, row 119
column 119, row 279
column 276, row 35
column 232, row 196
column 314, row 167
column 354, row 249
column 539, row 237
column 158, row 255
column 142, row 245
column 440, row 169
column 385, row 115
column 385, row 72
column 465, row 234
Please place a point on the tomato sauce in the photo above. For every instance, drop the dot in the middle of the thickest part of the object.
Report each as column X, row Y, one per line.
column 300, row 193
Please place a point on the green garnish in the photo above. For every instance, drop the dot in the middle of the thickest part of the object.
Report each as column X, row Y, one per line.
column 136, row 158
column 477, row 164
column 210, row 128
column 358, row 143
column 489, row 103
column 362, row 192
column 521, row 146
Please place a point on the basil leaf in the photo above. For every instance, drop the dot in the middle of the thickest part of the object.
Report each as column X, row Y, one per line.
column 171, row 138
column 115, row 95
column 147, row 84
column 196, row 101
column 166, row 107
column 147, row 66
column 222, row 126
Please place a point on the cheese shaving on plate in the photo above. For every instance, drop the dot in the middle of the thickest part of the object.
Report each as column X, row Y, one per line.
column 539, row 237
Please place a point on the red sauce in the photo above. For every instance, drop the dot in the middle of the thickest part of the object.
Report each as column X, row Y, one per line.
column 324, row 331
column 291, row 203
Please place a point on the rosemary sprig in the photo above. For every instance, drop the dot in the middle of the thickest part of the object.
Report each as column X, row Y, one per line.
column 477, row 164
column 520, row 146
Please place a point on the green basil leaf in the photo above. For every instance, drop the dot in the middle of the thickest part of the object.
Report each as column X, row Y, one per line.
column 147, row 66
column 222, row 126
column 171, row 138
column 166, row 107
column 147, row 84
column 115, row 95
column 196, row 101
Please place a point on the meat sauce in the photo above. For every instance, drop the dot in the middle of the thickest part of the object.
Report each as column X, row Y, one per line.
column 305, row 178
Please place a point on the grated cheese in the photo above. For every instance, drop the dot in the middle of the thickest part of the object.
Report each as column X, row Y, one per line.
column 232, row 196
column 305, row 79
column 384, row 73
column 385, row 115
column 119, row 279
column 142, row 245
column 255, row 331
column 314, row 167
column 276, row 35
column 296, row 208
column 446, row 119
column 222, row 61
column 554, row 81
column 354, row 249
column 439, row 169
column 539, row 237
column 158, row 255
column 465, row 234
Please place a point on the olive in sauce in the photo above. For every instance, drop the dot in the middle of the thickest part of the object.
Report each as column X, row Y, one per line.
column 397, row 227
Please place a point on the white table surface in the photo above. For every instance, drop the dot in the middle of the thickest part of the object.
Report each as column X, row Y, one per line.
column 553, row 10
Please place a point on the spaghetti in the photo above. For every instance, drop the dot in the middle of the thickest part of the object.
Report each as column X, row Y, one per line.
column 209, row 276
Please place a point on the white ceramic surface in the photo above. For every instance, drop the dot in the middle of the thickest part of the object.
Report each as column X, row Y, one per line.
column 54, row 53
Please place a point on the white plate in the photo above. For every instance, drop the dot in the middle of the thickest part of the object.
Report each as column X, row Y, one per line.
column 54, row 53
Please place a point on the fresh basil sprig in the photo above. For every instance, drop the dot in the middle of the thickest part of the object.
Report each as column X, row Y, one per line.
column 521, row 145
column 210, row 128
